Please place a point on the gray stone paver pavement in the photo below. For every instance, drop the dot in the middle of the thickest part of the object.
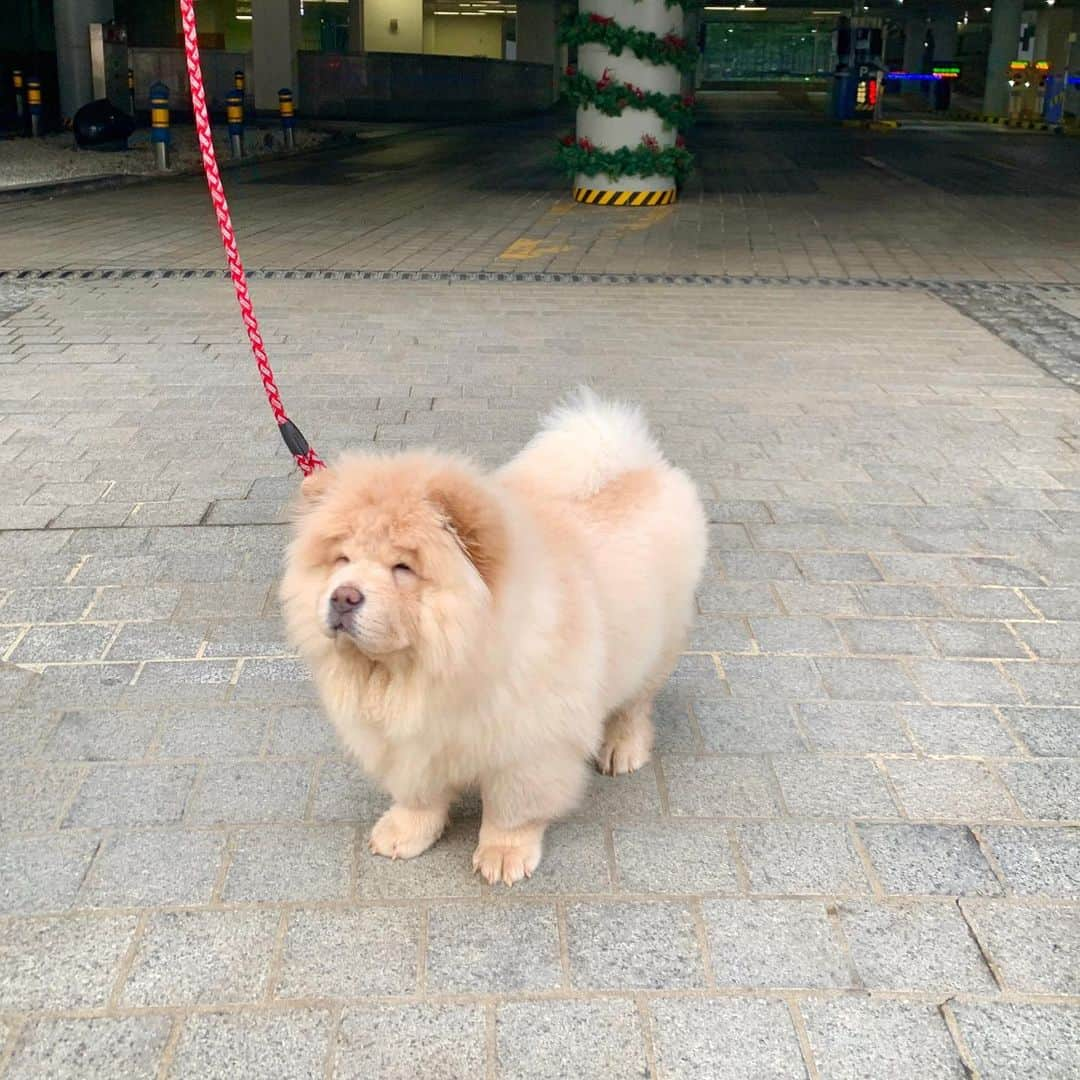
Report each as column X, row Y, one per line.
column 856, row 853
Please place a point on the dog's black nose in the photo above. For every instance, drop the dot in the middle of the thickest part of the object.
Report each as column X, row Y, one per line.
column 345, row 599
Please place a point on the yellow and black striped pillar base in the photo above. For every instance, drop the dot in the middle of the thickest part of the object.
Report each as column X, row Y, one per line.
column 603, row 197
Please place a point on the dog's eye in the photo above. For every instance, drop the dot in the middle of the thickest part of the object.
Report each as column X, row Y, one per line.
column 342, row 560
column 403, row 568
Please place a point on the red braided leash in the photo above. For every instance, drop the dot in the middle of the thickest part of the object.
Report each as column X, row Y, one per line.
column 305, row 456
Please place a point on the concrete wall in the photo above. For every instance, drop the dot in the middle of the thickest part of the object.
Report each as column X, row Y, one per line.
column 389, row 86
column 378, row 35
column 168, row 66
column 454, row 35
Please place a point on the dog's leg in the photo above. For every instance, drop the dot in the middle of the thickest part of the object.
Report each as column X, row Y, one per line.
column 628, row 738
column 405, row 831
column 508, row 855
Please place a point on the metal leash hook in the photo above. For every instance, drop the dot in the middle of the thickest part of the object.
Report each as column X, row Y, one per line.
column 305, row 456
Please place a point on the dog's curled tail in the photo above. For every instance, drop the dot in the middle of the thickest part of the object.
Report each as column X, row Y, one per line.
column 587, row 442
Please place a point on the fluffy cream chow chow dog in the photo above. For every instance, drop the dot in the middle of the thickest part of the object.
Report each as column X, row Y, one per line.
column 496, row 631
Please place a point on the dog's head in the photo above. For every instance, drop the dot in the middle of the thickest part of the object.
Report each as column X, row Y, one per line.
column 395, row 556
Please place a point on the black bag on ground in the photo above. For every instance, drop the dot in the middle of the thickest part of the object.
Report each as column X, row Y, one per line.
column 102, row 126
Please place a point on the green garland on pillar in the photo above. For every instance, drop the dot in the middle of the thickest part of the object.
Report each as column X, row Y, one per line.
column 613, row 98
column 645, row 159
column 588, row 28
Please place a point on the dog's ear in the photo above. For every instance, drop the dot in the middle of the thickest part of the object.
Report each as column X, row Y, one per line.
column 476, row 521
column 315, row 485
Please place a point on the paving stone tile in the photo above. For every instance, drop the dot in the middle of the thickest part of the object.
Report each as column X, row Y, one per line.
column 575, row 860
column 49, row 644
column 831, row 787
column 810, row 598
column 795, row 635
column 993, row 602
column 895, row 637
column 222, row 600
column 799, row 859
column 445, row 869
column 943, row 730
column 549, row 1040
column 150, row 868
column 757, row 566
column 1047, row 732
column 68, row 1048
column 87, row 685
column 1045, row 683
column 248, row 637
column 790, row 677
column 833, row 566
column 221, row 1046
column 322, row 951
column 719, row 633
column 1036, row 949
column 281, row 682
column 492, row 948
column 865, row 680
column 964, row 682
column 22, row 732
column 850, row 727
column 289, row 863
column 176, row 682
column 62, row 604
column 737, row 598
column 1037, row 862
column 632, row 793
column 976, row 639
column 624, row 946
column 105, row 735
column 33, row 798
column 157, row 641
column 902, row 600
column 118, row 602
column 738, row 726
column 889, row 1040
column 914, row 946
column 343, row 793
column 65, row 962
column 1021, row 1042
column 43, row 873
column 299, row 731
column 673, row 858
column 760, row 944
column 962, row 790
column 720, row 787
column 411, row 1042
column 201, row 957
column 724, row 1039
column 1048, row 790
column 214, row 733
column 131, row 795
column 674, row 732
column 251, row 791
column 928, row 860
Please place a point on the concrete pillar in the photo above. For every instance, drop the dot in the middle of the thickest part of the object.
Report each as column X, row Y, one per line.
column 275, row 39
column 537, row 28
column 1004, row 39
column 914, row 40
column 72, row 19
column 943, row 18
column 356, row 26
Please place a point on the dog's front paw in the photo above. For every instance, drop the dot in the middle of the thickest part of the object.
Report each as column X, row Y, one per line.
column 402, row 833
column 623, row 752
column 506, row 862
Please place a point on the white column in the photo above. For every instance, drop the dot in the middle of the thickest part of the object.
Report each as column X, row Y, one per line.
column 612, row 132
column 914, row 41
column 72, row 19
column 275, row 39
column 1004, row 41
column 943, row 27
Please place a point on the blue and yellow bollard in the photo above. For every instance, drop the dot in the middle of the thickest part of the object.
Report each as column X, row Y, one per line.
column 234, row 113
column 33, row 104
column 17, row 86
column 160, row 135
column 287, row 110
